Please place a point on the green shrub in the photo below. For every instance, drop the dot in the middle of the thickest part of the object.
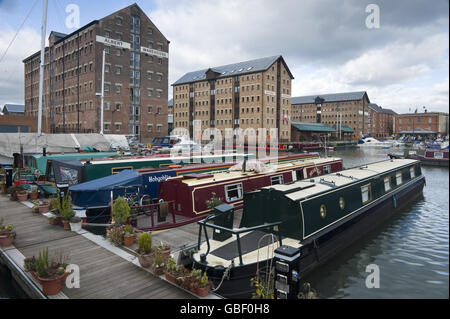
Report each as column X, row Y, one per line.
column 121, row 210
column 145, row 243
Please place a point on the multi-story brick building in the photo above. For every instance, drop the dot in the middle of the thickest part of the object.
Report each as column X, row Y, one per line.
column 349, row 109
column 253, row 94
column 424, row 124
column 381, row 121
column 136, row 77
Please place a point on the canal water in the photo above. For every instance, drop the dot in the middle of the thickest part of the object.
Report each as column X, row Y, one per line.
column 411, row 250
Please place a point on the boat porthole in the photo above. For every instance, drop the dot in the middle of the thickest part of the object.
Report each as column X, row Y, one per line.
column 323, row 211
column 342, row 203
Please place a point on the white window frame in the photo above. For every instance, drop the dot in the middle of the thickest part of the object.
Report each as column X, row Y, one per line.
column 387, row 182
column 327, row 169
column 233, row 187
column 399, row 177
column 366, row 189
column 412, row 172
column 279, row 178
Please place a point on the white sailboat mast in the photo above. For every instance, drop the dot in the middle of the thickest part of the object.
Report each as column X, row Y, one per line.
column 41, row 70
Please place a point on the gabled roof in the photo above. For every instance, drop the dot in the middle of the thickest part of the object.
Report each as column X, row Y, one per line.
column 379, row 109
column 234, row 69
column 14, row 108
column 313, row 127
column 335, row 97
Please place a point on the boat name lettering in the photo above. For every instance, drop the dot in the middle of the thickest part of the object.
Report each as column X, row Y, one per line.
column 162, row 178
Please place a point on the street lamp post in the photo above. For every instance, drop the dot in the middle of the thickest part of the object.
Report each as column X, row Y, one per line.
column 102, row 94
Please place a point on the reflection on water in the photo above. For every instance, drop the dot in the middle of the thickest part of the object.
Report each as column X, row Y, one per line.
column 411, row 249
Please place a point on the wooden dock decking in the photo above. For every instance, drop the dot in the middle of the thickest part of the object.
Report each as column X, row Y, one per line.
column 104, row 273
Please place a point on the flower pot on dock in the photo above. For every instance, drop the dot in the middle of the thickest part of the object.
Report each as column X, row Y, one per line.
column 170, row 277
column 34, row 196
column 52, row 286
column 43, row 208
column 66, row 224
column 128, row 240
column 22, row 196
column 75, row 224
column 145, row 260
column 202, row 291
column 7, row 238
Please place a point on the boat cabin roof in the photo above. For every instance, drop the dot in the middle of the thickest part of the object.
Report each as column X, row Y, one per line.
column 310, row 187
column 159, row 158
column 208, row 178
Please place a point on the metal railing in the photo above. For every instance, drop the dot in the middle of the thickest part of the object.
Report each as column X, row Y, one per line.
column 204, row 224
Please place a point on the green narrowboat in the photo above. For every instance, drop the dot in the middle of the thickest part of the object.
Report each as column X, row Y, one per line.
column 301, row 225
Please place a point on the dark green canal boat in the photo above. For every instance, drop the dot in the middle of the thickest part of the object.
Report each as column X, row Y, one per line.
column 297, row 226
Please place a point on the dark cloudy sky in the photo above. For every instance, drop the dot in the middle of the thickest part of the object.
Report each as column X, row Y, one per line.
column 402, row 65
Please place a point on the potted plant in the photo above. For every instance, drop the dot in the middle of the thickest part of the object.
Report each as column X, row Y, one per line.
column 144, row 250
column 43, row 206
column 75, row 224
column 22, row 195
column 158, row 263
column 7, row 234
column 53, row 220
column 121, row 211
column 128, row 236
column 115, row 234
column 164, row 249
column 12, row 191
column 34, row 195
column 171, row 270
column 49, row 271
column 35, row 209
column 202, row 285
column 66, row 210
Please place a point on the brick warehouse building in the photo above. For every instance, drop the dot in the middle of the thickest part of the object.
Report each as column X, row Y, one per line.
column 136, row 78
column 381, row 121
column 352, row 108
column 252, row 94
column 427, row 124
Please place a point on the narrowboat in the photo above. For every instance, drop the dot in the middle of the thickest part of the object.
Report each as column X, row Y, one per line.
column 88, row 170
column 431, row 157
column 288, row 230
column 190, row 192
column 38, row 163
column 93, row 197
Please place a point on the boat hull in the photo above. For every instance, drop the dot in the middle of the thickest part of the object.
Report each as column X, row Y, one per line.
column 322, row 248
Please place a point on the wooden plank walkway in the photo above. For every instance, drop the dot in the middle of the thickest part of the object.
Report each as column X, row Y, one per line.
column 103, row 274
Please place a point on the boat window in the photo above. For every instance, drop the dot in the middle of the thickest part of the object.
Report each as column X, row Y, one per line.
column 366, row 194
column 412, row 171
column 276, row 180
column 341, row 203
column 233, row 192
column 399, row 178
column 327, row 169
column 387, row 184
column 323, row 211
column 438, row 155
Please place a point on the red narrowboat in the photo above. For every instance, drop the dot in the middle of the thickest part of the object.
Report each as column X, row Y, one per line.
column 190, row 192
